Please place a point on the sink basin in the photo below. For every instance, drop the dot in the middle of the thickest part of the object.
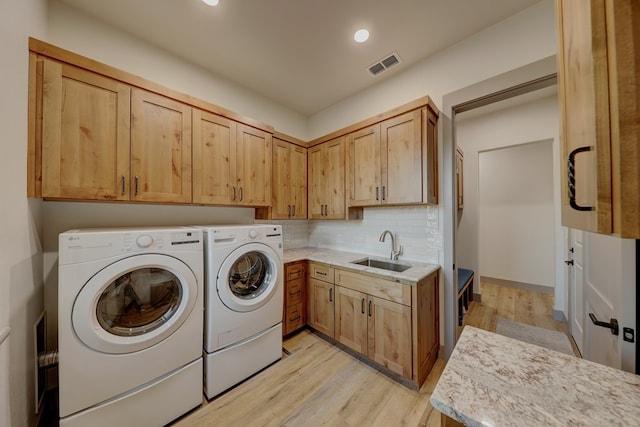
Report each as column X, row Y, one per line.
column 384, row 265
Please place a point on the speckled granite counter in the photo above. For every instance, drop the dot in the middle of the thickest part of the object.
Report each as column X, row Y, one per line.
column 492, row 380
column 341, row 259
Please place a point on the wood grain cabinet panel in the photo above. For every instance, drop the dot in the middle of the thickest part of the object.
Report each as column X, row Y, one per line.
column 289, row 178
column 321, row 298
column 85, row 135
column 231, row 162
column 394, row 162
column 327, row 180
column 160, row 148
column 295, row 296
column 599, row 94
column 389, row 335
column 351, row 319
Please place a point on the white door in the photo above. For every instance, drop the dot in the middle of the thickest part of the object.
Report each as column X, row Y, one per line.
column 609, row 294
column 576, row 279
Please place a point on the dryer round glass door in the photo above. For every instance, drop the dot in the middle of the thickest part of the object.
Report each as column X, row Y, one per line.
column 249, row 277
column 134, row 303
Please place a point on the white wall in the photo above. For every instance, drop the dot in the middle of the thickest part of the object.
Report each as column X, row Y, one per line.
column 491, row 128
column 516, row 213
column 20, row 248
column 416, row 228
column 81, row 33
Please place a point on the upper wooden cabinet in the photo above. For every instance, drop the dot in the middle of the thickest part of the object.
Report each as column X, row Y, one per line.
column 160, row 148
column 289, row 182
column 98, row 133
column 84, row 136
column 385, row 162
column 231, row 162
column 326, row 180
column 599, row 92
column 394, row 162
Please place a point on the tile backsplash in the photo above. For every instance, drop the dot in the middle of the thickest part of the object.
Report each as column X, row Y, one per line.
column 416, row 228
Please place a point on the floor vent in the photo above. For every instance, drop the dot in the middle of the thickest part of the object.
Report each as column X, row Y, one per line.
column 385, row 63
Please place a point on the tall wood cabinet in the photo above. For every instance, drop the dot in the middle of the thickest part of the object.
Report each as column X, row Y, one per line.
column 599, row 93
column 326, row 180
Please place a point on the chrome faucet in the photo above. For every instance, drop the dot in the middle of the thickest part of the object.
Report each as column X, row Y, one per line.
column 394, row 253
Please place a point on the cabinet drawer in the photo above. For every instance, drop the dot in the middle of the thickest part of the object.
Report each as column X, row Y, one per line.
column 294, row 270
column 294, row 318
column 381, row 288
column 321, row 272
column 294, row 292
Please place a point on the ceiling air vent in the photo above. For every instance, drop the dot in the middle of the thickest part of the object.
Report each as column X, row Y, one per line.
column 384, row 64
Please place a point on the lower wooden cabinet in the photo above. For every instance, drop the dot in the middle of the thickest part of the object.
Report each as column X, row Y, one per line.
column 375, row 327
column 321, row 298
column 295, row 301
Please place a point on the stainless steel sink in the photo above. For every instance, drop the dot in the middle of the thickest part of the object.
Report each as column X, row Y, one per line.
column 384, row 265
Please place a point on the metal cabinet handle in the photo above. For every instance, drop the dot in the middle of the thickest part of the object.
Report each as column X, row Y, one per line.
column 613, row 324
column 377, row 195
column 241, row 194
column 362, row 305
column 370, row 307
column 572, row 179
column 383, row 188
column 233, row 198
column 293, row 210
column 123, row 189
column 330, row 294
column 136, row 182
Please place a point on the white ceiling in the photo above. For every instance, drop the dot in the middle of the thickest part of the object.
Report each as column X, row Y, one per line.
column 301, row 53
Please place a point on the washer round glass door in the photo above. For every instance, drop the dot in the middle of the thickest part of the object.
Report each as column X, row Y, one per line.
column 134, row 303
column 249, row 277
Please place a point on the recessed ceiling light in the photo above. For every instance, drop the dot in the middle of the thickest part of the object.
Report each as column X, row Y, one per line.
column 211, row 2
column 361, row 36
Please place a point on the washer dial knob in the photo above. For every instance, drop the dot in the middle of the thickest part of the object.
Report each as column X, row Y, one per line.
column 144, row 241
column 253, row 233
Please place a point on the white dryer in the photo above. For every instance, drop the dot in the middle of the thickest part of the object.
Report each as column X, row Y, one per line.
column 243, row 303
column 130, row 325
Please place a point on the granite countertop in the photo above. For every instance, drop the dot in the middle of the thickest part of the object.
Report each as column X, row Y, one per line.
column 492, row 380
column 341, row 259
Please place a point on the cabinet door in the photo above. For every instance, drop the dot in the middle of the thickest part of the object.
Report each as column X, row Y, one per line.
column 214, row 158
column 282, row 180
column 334, row 166
column 351, row 319
column 298, row 166
column 430, row 157
column 389, row 335
column 584, row 103
column 85, row 135
column 317, row 189
column 160, row 148
column 365, row 185
column 254, row 166
column 321, row 306
column 401, row 146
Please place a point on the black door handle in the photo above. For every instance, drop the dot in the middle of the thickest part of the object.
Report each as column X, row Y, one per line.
column 613, row 324
column 569, row 262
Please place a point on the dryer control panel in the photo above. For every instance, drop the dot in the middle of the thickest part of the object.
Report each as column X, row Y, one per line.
column 83, row 245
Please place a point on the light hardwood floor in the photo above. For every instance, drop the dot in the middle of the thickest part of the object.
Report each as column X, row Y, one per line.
column 318, row 384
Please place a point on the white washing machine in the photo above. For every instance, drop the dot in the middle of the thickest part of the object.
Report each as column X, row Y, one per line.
column 130, row 325
column 243, row 303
